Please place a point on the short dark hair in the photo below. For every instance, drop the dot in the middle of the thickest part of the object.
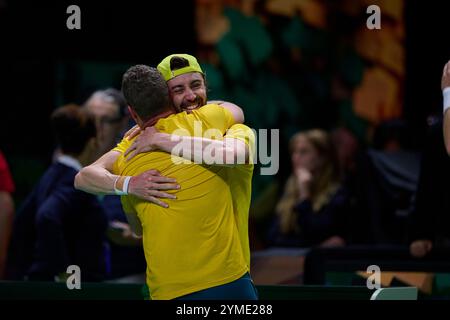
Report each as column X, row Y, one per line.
column 146, row 91
column 73, row 127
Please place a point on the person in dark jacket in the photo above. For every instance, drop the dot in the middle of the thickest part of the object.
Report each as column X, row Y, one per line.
column 110, row 111
column 57, row 225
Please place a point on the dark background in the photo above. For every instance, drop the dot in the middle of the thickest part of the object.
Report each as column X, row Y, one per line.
column 427, row 51
column 34, row 41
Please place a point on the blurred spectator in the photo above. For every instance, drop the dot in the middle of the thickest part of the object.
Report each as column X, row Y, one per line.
column 58, row 226
column 6, row 211
column 430, row 221
column 111, row 117
column 391, row 136
column 385, row 185
column 346, row 146
column 313, row 209
column 110, row 110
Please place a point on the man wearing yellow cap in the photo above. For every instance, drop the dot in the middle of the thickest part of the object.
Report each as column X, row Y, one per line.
column 230, row 286
column 186, row 82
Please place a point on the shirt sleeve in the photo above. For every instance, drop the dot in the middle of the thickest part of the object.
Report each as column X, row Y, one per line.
column 243, row 133
column 216, row 117
column 123, row 145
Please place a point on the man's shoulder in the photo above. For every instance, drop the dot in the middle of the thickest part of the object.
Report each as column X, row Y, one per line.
column 210, row 115
column 243, row 133
column 215, row 116
column 209, row 106
column 209, row 110
column 123, row 145
column 203, row 111
column 240, row 128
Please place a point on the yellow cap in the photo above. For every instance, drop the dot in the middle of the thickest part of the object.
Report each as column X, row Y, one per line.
column 164, row 66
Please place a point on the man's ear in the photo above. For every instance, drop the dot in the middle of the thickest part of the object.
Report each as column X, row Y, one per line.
column 133, row 114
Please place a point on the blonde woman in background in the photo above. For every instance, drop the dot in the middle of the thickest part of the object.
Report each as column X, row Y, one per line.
column 314, row 207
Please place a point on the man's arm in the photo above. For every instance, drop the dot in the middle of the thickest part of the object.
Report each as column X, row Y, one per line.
column 228, row 152
column 235, row 110
column 447, row 131
column 445, row 86
column 98, row 178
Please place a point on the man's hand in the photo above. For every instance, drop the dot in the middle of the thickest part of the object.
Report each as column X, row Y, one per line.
column 144, row 143
column 148, row 184
column 420, row 248
column 120, row 233
column 133, row 132
column 445, row 82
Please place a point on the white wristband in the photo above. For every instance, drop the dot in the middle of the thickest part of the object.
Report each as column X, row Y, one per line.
column 124, row 190
column 446, row 94
column 125, row 184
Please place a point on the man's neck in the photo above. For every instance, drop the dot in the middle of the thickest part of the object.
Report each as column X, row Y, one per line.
column 152, row 121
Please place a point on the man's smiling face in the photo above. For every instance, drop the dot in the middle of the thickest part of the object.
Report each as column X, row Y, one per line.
column 187, row 91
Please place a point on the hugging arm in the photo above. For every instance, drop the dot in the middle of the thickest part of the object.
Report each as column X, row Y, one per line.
column 98, row 178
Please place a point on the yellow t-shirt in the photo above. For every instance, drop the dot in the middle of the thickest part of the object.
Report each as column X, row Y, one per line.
column 194, row 244
column 240, row 181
